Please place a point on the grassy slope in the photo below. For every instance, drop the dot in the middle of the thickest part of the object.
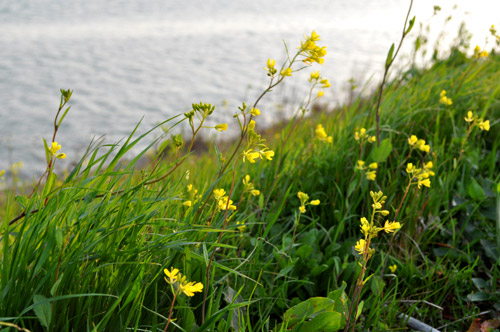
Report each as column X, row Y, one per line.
column 97, row 250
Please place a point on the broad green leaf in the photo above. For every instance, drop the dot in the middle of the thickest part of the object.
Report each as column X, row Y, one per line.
column 42, row 309
column 474, row 190
column 380, row 153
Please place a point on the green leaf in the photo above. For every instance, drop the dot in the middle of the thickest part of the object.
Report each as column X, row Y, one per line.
column 479, row 296
column 474, row 190
column 310, row 309
column 43, row 309
column 410, row 26
column 47, row 152
column 22, row 200
column 325, row 321
column 380, row 153
column 388, row 61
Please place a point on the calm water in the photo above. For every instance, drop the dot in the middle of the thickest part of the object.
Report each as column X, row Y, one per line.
column 127, row 60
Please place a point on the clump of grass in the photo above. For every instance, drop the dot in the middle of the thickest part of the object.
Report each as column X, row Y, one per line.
column 92, row 250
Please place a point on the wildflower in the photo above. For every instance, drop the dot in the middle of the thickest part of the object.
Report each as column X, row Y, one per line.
column 484, row 125
column 255, row 111
column 444, row 99
column 321, row 93
column 251, row 125
column 393, row 268
column 286, row 72
column 190, row 288
column 325, row 83
column 360, row 246
column 424, row 182
column 412, row 140
column 360, row 165
column 242, row 226
column 372, row 139
column 187, row 203
column 219, row 193
column 255, row 192
column 480, row 54
column 321, row 135
column 302, row 209
column 268, row 154
column 171, row 275
column 221, row 127
column 315, row 202
column 314, row 76
column 470, row 117
column 371, row 175
column 250, row 155
column 311, row 51
column 409, row 168
column 225, row 203
column 390, row 227
column 373, row 166
column 2, row 172
column 54, row 148
column 61, row 156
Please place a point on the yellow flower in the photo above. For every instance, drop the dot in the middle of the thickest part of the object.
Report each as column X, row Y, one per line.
column 321, row 93
column 371, row 175
column 303, row 196
column 255, row 192
column 302, row 209
column 424, row 182
column 219, row 193
column 315, row 202
column 190, row 288
column 360, row 246
column 171, row 275
column 286, row 72
column 373, row 166
column 325, row 83
column 410, row 168
column 271, row 64
column 251, row 125
column 470, row 117
column 484, row 125
column 314, row 76
column 255, row 111
column 221, row 127
column 360, row 165
column 321, row 135
column 365, row 226
column 390, row 227
column 54, row 148
column 393, row 268
column 61, row 156
column 223, row 204
column 444, row 99
column 269, row 154
column 372, row 139
column 250, row 155
column 2, row 172
column 187, row 203
column 242, row 227
column 412, row 140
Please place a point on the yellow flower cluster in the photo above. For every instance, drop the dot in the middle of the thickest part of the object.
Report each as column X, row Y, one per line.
column 192, row 197
column 480, row 54
column 420, row 176
column 270, row 67
column 370, row 170
column 316, row 78
column 254, row 140
column 223, row 201
column 417, row 143
column 311, row 51
column 53, row 150
column 362, row 136
column 370, row 230
column 475, row 121
column 304, row 198
column 242, row 227
column 249, row 187
column 320, row 134
column 179, row 283
column 443, row 99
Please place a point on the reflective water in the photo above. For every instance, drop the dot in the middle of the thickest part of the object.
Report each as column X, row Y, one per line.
column 127, row 60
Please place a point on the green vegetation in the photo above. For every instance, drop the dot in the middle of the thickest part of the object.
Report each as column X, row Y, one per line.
column 263, row 236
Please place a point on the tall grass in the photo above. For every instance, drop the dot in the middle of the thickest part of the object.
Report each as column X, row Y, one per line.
column 89, row 252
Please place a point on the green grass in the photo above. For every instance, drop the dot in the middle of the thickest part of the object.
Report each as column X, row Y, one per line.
column 91, row 256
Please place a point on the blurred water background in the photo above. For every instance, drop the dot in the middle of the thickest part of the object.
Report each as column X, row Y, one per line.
column 131, row 59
